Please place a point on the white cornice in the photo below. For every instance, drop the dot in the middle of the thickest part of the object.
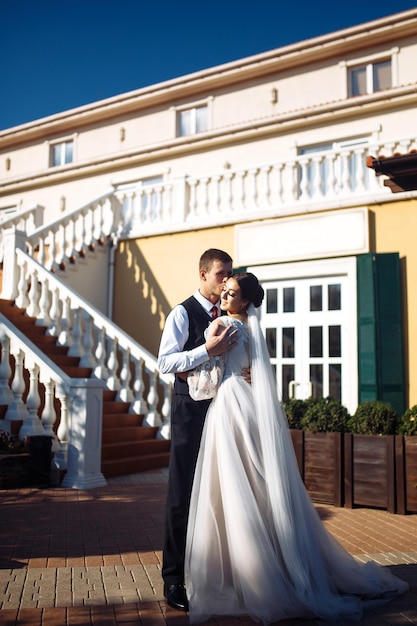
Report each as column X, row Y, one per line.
column 379, row 31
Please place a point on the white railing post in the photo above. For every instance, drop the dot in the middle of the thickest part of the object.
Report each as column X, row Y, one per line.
column 12, row 239
column 85, row 413
column 180, row 209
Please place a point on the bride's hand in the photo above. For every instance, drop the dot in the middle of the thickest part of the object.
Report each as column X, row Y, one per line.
column 221, row 339
column 246, row 375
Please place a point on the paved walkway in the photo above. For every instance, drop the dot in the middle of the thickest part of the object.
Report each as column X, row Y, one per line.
column 93, row 557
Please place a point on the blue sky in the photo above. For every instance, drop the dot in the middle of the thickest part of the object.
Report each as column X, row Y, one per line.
column 60, row 54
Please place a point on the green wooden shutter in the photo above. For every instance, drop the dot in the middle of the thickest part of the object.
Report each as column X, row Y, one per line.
column 380, row 336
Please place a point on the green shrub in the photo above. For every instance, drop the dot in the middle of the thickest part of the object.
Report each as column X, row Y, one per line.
column 325, row 415
column 408, row 422
column 374, row 418
column 295, row 410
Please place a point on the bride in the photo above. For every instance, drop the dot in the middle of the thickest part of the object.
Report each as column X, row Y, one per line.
column 255, row 543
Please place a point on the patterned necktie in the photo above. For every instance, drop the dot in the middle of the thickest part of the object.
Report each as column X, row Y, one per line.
column 214, row 312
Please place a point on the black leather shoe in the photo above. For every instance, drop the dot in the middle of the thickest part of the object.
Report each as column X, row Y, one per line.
column 176, row 597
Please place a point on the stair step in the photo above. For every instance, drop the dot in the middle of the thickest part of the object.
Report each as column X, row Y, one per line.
column 77, row 372
column 128, row 433
column 134, row 448
column 117, row 406
column 134, row 465
column 117, row 420
column 127, row 446
column 47, row 344
column 109, row 395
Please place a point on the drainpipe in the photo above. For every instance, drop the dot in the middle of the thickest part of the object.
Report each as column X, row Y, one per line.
column 110, row 274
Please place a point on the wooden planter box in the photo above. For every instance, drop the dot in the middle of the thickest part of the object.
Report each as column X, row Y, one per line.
column 406, row 473
column 320, row 460
column 15, row 470
column 370, row 471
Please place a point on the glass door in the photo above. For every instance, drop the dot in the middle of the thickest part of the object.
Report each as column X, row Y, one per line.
column 306, row 326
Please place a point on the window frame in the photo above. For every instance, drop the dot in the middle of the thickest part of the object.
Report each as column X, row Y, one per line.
column 368, row 63
column 62, row 141
column 192, row 106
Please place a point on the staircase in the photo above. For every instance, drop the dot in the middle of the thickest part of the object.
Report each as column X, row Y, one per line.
column 128, row 446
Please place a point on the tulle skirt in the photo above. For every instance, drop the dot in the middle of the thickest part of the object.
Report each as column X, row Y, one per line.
column 255, row 543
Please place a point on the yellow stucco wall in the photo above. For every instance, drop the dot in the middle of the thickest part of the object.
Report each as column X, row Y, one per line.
column 395, row 231
column 153, row 274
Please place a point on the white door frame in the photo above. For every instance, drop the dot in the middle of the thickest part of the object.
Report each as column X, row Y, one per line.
column 337, row 267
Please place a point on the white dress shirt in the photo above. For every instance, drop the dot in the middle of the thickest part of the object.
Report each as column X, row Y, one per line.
column 172, row 357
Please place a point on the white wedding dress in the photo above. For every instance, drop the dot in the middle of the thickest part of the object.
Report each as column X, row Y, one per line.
column 255, row 543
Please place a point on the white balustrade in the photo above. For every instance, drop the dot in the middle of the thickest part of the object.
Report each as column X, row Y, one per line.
column 231, row 195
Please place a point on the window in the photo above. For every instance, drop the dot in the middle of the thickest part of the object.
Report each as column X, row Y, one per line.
column 61, row 153
column 192, row 121
column 369, row 78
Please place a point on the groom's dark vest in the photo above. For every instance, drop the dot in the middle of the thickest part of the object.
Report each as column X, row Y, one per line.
column 198, row 320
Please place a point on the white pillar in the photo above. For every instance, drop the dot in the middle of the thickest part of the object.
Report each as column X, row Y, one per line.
column 12, row 239
column 85, row 414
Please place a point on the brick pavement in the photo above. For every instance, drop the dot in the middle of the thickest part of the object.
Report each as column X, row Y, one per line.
column 93, row 557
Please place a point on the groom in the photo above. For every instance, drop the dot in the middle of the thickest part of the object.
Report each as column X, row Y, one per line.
column 182, row 348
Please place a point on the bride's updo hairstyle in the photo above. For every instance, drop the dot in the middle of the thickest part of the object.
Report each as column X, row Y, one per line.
column 250, row 288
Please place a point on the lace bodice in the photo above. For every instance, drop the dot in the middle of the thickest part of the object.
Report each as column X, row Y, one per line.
column 238, row 357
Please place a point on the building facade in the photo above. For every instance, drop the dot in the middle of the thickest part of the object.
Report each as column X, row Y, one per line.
column 264, row 157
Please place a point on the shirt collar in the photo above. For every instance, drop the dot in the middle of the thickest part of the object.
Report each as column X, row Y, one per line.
column 206, row 304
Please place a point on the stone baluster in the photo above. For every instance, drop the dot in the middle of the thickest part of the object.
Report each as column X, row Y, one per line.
column 241, row 189
column 125, row 393
column 6, row 394
column 32, row 425
column 113, row 381
column 33, row 307
column 253, row 178
column 17, row 409
column 318, row 188
column 216, row 193
column 82, row 249
column 158, row 209
column 53, row 250
column 55, row 314
column 305, row 165
column 360, row 166
column 152, row 417
column 265, row 170
column 228, row 177
column 345, row 157
column 76, row 348
column 65, row 336
column 204, row 185
column 279, row 185
column 22, row 300
column 60, row 456
column 331, row 180
column 41, row 256
column 49, row 415
column 100, row 370
column 193, row 197
column 87, row 359
column 167, row 203
column 44, row 318
column 61, row 243
column 294, row 180
column 71, row 251
column 138, row 405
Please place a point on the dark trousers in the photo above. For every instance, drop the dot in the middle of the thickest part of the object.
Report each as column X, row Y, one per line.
column 187, row 421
